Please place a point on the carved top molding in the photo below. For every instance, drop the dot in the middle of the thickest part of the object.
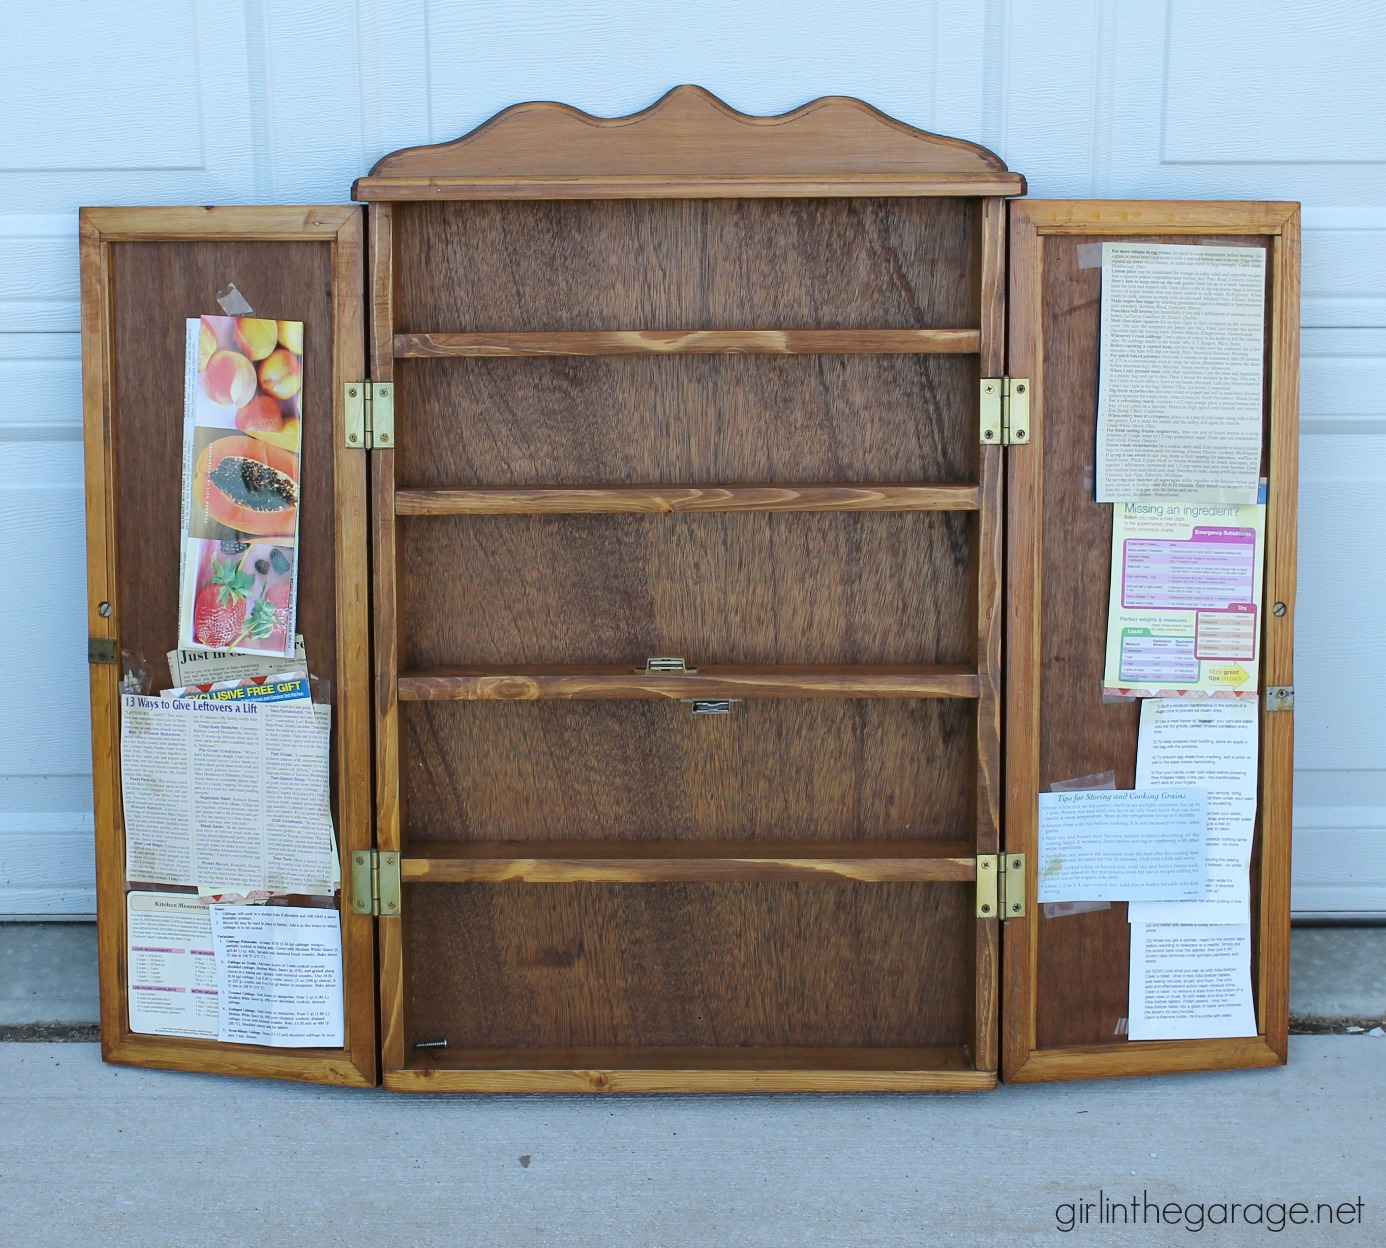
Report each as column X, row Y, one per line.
column 686, row 137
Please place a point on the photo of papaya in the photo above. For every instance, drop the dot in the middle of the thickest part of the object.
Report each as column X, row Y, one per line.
column 247, row 485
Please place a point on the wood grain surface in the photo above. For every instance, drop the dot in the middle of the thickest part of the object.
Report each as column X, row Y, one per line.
column 812, row 769
column 689, row 134
column 549, row 862
column 494, row 500
column 686, row 420
column 787, row 681
column 686, row 264
column 714, row 589
column 699, row 342
column 724, row 964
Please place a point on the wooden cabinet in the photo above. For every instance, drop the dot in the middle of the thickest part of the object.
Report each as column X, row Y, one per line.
column 673, row 602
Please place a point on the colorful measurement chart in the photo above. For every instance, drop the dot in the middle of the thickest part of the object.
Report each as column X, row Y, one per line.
column 1185, row 599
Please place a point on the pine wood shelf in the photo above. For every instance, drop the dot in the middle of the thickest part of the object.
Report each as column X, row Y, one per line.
column 760, row 1069
column 559, row 862
column 652, row 499
column 692, row 342
column 460, row 684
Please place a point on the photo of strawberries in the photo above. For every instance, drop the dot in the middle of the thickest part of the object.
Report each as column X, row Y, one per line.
column 219, row 610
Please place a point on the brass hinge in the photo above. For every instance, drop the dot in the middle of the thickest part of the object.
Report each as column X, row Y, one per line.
column 1280, row 698
column 1005, row 411
column 102, row 650
column 375, row 882
column 370, row 415
column 1000, row 886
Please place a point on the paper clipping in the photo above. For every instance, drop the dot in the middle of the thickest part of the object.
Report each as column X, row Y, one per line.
column 268, row 975
column 279, row 975
column 1190, row 982
column 203, row 667
column 1185, row 602
column 242, row 418
column 228, row 796
column 171, row 966
column 1179, row 391
column 1122, row 845
column 1212, row 745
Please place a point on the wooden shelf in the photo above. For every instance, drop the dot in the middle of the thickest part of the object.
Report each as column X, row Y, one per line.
column 529, row 684
column 494, row 500
column 692, row 342
column 688, row 1069
column 566, row 862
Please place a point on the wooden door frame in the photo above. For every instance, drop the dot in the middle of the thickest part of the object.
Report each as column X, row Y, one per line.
column 1030, row 222
column 340, row 228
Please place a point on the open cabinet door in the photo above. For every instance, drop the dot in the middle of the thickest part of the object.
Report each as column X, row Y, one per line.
column 1066, row 978
column 144, row 270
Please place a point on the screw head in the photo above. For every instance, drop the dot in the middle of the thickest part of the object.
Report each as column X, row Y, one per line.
column 988, row 435
column 1020, row 389
column 104, row 610
column 986, row 909
column 1019, row 433
column 1279, row 609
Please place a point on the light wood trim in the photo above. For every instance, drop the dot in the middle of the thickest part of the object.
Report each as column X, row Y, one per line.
column 326, row 1066
column 691, row 1070
column 192, row 223
column 1158, row 216
column 377, row 190
column 352, row 731
column 688, row 137
column 340, row 229
column 535, row 683
column 1024, row 534
column 654, row 499
column 559, row 862
column 1277, row 657
column 690, row 342
column 990, row 589
column 392, row 936
column 1145, row 1057
column 98, row 405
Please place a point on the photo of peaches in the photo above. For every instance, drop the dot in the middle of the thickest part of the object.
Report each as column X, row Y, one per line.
column 256, row 337
column 281, row 373
column 229, row 379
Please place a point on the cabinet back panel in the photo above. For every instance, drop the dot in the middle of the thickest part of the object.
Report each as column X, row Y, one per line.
column 725, row 964
column 154, row 287
column 1083, row 962
column 714, row 588
column 797, row 769
column 686, row 264
column 686, row 420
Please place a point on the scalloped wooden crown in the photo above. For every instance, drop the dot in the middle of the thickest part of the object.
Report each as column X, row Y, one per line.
column 686, row 136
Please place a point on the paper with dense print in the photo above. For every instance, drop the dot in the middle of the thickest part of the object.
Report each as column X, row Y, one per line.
column 1184, row 609
column 201, row 667
column 242, row 426
column 171, row 966
column 279, row 975
column 1122, row 845
column 1213, row 745
column 1179, row 385
column 229, row 797
column 1190, row 982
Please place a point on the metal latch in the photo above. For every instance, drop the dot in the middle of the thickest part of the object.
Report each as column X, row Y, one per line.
column 712, row 706
column 667, row 664
column 375, row 882
column 1000, row 886
column 1280, row 698
column 102, row 650
column 1005, row 411
column 370, row 415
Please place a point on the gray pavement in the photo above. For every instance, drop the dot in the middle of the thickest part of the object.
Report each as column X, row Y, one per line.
column 104, row 1155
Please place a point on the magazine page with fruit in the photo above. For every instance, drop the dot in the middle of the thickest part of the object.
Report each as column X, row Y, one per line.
column 242, row 425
